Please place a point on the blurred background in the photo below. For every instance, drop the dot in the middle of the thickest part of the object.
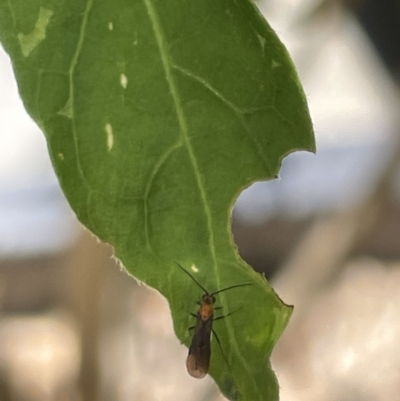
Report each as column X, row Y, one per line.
column 74, row 326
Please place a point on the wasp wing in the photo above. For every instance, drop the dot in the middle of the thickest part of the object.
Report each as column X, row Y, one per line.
column 198, row 360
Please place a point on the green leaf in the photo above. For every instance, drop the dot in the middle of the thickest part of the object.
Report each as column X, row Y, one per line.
column 157, row 114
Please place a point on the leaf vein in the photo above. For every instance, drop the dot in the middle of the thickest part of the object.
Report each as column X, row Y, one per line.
column 240, row 113
column 71, row 73
column 163, row 158
column 218, row 94
column 12, row 14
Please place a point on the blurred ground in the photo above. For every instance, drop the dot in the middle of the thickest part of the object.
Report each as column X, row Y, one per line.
column 73, row 326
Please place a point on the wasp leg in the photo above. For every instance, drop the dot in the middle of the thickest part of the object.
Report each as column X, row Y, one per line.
column 220, row 347
column 228, row 314
column 193, row 327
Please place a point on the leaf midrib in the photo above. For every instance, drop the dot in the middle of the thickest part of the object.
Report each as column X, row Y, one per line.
column 168, row 66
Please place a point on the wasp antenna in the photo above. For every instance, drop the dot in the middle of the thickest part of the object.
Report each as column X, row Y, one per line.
column 230, row 287
column 192, row 277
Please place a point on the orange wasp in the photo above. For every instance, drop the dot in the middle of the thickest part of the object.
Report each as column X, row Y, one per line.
column 198, row 360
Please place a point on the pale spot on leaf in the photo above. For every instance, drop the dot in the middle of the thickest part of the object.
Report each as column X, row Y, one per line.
column 194, row 268
column 67, row 109
column 110, row 26
column 123, row 79
column 110, row 136
column 30, row 41
column 275, row 64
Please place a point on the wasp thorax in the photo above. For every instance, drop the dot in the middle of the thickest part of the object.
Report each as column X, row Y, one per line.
column 208, row 299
